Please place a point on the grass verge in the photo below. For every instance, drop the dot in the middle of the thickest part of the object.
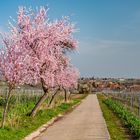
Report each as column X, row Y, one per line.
column 28, row 124
column 115, row 126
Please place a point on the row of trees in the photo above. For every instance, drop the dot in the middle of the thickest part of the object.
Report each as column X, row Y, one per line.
column 35, row 51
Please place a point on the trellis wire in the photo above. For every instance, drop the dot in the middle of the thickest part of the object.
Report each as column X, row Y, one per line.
column 129, row 99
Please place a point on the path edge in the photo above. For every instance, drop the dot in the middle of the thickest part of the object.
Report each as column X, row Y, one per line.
column 104, row 120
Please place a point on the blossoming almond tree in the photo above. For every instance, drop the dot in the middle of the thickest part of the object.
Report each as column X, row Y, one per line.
column 12, row 69
column 66, row 80
column 44, row 45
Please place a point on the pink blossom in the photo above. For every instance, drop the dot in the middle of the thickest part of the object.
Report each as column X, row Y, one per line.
column 36, row 49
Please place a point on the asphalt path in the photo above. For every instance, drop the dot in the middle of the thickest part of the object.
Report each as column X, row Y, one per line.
column 86, row 122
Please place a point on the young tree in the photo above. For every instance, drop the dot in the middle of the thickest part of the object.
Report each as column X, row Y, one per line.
column 12, row 69
column 70, row 80
column 66, row 80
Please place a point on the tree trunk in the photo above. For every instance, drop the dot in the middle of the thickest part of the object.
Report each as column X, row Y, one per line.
column 65, row 91
column 69, row 97
column 38, row 104
column 41, row 100
column 6, row 108
column 53, row 96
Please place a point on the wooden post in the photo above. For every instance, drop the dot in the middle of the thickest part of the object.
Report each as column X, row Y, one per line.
column 131, row 101
column 139, row 105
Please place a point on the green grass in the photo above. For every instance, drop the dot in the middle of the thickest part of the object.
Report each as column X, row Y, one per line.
column 115, row 126
column 19, row 124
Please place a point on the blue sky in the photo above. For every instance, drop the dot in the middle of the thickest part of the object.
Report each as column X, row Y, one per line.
column 109, row 33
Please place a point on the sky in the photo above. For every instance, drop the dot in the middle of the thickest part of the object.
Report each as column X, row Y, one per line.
column 108, row 33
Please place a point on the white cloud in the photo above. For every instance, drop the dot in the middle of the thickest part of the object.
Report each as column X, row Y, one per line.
column 108, row 44
column 100, row 46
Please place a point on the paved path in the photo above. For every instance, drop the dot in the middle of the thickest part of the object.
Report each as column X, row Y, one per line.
column 84, row 123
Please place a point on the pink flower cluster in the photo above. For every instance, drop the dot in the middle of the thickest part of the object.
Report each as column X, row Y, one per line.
column 36, row 49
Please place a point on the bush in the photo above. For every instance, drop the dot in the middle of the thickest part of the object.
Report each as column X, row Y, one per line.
column 2, row 101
